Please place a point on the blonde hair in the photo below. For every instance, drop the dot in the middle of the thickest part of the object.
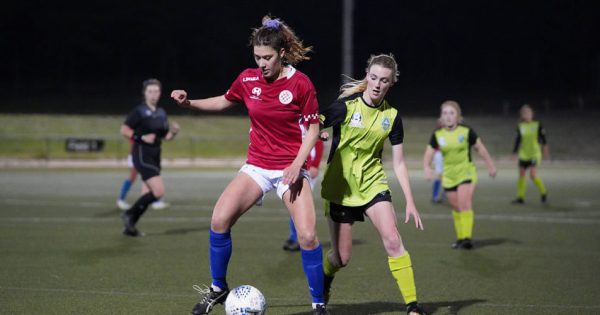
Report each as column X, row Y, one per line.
column 276, row 34
column 456, row 107
column 354, row 86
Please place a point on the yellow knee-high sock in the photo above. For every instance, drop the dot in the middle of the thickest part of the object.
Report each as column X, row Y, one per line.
column 457, row 224
column 468, row 217
column 329, row 269
column 521, row 187
column 401, row 268
column 540, row 185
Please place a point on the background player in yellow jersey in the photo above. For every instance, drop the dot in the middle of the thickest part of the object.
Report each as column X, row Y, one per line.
column 355, row 184
column 459, row 176
column 531, row 140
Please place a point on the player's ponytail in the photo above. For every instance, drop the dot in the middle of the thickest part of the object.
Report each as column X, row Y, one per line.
column 276, row 34
column 354, row 86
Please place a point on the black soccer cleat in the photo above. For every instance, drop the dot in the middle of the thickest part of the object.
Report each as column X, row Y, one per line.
column 327, row 288
column 414, row 309
column 320, row 309
column 518, row 201
column 457, row 244
column 129, row 226
column 544, row 198
column 209, row 299
column 291, row 246
column 466, row 244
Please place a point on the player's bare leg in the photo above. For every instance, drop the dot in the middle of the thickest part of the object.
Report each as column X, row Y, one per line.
column 299, row 201
column 339, row 255
column 383, row 216
column 237, row 198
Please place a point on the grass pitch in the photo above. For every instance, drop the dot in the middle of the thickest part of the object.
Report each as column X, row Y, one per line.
column 62, row 251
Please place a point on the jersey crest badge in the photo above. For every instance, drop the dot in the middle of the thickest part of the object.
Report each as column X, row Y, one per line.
column 461, row 138
column 256, row 91
column 356, row 120
column 285, row 97
column 442, row 141
column 385, row 124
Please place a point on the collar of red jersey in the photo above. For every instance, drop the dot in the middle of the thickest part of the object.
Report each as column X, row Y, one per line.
column 291, row 71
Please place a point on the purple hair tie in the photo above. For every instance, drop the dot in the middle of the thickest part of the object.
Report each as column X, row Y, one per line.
column 272, row 24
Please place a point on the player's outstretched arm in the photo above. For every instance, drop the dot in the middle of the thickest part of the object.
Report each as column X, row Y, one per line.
column 483, row 152
column 213, row 104
column 427, row 158
column 401, row 172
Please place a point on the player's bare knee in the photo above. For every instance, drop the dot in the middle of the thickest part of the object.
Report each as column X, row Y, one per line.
column 307, row 239
column 393, row 243
column 220, row 223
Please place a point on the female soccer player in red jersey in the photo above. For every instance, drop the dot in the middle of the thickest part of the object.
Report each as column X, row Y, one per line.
column 279, row 99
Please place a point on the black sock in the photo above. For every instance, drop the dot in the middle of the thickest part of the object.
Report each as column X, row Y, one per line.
column 140, row 206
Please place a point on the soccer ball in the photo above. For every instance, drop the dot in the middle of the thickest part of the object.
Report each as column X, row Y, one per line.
column 245, row 300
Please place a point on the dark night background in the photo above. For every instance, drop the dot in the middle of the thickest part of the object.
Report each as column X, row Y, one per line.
column 90, row 57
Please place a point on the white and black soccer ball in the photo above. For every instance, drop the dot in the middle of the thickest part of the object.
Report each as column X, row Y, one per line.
column 245, row 300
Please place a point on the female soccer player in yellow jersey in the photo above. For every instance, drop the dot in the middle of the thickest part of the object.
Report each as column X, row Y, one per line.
column 530, row 135
column 355, row 184
column 459, row 176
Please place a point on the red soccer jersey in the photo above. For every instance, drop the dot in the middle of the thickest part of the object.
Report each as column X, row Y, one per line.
column 277, row 111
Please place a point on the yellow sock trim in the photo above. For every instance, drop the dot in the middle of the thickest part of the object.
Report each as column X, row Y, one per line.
column 329, row 269
column 457, row 224
column 402, row 271
column 468, row 217
column 540, row 185
column 521, row 187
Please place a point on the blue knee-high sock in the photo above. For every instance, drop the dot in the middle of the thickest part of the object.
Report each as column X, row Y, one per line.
column 437, row 184
column 312, row 262
column 220, row 252
column 125, row 189
column 293, row 235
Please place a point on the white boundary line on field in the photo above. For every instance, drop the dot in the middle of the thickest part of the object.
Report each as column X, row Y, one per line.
column 283, row 217
column 123, row 293
column 552, row 218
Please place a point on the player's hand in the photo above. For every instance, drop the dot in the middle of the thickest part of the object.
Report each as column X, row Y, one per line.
column 149, row 138
column 291, row 174
column 411, row 211
column 513, row 157
column 180, row 96
column 492, row 171
column 428, row 174
column 174, row 128
column 324, row 135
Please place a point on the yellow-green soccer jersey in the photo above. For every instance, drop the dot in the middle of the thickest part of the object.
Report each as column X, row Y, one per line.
column 529, row 137
column 455, row 146
column 354, row 174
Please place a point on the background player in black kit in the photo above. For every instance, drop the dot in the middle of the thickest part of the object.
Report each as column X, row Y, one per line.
column 147, row 126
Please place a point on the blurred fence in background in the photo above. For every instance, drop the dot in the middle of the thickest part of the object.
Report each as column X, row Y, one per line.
column 572, row 136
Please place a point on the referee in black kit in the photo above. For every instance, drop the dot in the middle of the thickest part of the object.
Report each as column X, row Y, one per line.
column 147, row 125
